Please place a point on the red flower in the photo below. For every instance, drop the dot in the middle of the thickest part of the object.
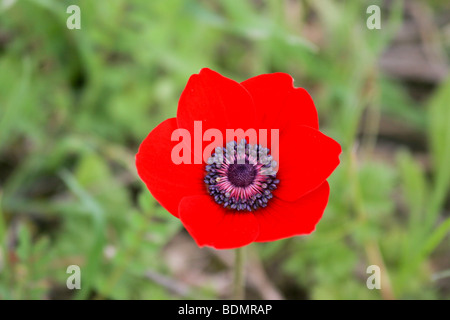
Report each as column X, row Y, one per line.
column 230, row 205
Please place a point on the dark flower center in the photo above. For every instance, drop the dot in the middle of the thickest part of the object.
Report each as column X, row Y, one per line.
column 241, row 176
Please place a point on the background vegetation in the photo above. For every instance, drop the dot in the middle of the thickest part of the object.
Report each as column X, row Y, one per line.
column 75, row 104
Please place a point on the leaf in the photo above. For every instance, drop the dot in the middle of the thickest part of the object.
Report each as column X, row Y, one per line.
column 12, row 111
column 439, row 135
column 414, row 187
column 96, row 212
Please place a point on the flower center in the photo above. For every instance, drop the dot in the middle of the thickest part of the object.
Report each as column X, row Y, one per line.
column 241, row 176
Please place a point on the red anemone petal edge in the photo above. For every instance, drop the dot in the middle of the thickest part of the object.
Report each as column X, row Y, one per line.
column 166, row 181
column 285, row 219
column 211, row 225
column 279, row 103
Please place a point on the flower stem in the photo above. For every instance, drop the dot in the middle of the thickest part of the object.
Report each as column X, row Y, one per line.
column 238, row 274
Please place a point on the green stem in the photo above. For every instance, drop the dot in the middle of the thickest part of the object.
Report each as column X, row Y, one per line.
column 238, row 274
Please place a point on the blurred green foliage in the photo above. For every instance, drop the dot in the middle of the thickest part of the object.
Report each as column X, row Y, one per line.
column 75, row 104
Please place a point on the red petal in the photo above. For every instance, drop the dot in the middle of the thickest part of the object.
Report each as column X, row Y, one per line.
column 217, row 101
column 211, row 225
column 282, row 219
column 307, row 158
column 278, row 103
column 167, row 182
column 300, row 110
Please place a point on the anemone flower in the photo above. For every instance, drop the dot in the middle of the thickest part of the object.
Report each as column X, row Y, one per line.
column 230, row 191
